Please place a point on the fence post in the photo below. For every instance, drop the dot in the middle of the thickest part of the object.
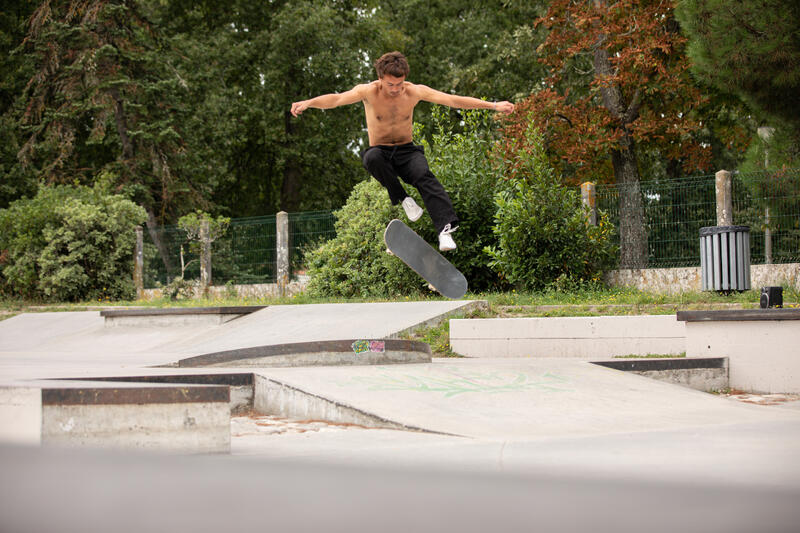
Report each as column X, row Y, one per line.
column 724, row 198
column 138, row 264
column 589, row 199
column 205, row 257
column 282, row 252
column 767, row 238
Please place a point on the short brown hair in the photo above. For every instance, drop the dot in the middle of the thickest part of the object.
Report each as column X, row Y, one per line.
column 392, row 63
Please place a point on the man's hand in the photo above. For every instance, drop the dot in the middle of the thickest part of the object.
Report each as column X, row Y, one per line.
column 299, row 107
column 504, row 107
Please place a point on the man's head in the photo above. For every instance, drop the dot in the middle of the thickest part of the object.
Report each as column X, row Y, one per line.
column 393, row 64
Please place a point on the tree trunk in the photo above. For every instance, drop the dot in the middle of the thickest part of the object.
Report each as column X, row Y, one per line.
column 632, row 232
column 152, row 229
column 128, row 154
column 122, row 125
column 290, row 188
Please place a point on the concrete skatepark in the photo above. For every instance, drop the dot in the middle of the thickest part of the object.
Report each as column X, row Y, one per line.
column 511, row 443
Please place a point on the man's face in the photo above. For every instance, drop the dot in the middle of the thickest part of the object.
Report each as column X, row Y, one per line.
column 393, row 85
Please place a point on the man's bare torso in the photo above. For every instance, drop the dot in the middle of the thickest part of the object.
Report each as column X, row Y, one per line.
column 389, row 116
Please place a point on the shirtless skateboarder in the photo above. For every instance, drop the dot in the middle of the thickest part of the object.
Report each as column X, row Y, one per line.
column 389, row 107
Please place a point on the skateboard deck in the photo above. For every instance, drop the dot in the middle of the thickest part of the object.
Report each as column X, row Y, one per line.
column 423, row 259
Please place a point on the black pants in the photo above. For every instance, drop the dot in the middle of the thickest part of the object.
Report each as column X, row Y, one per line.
column 408, row 162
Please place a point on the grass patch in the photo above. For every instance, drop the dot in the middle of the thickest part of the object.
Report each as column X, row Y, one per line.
column 438, row 337
column 618, row 296
column 596, row 301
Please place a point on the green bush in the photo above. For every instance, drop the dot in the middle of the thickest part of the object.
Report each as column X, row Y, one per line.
column 542, row 236
column 69, row 244
column 355, row 262
column 461, row 162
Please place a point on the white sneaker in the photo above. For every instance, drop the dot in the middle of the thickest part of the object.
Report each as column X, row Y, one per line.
column 446, row 242
column 413, row 211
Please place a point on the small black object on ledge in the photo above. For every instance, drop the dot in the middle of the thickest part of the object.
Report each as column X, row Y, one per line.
column 771, row 297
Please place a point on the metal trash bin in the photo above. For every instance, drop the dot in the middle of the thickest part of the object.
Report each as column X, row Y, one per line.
column 725, row 258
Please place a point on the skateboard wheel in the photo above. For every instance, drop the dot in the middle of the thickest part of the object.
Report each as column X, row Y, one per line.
column 388, row 251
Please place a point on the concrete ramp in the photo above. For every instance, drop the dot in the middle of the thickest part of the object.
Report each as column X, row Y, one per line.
column 39, row 345
column 319, row 353
column 498, row 399
column 320, row 322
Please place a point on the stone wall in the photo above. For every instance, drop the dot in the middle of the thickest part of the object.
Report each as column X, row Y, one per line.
column 256, row 290
column 687, row 279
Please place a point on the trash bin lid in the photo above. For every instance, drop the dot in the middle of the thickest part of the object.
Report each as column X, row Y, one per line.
column 714, row 230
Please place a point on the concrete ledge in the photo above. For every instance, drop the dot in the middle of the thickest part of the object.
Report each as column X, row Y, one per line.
column 763, row 346
column 579, row 337
column 132, row 395
column 186, row 427
column 705, row 374
column 182, row 418
column 320, row 353
column 749, row 315
column 240, row 385
column 176, row 316
column 229, row 310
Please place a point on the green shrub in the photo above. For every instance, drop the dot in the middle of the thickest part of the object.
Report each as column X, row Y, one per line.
column 540, row 225
column 69, row 244
column 461, row 162
column 355, row 262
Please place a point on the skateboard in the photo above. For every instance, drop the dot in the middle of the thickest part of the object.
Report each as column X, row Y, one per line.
column 423, row 259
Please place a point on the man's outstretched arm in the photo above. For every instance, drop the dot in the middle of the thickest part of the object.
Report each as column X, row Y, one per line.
column 329, row 101
column 462, row 102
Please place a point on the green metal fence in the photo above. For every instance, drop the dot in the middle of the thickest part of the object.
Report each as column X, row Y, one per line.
column 245, row 254
column 675, row 210
column 769, row 202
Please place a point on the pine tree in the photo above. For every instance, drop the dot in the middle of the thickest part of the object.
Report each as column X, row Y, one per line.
column 750, row 48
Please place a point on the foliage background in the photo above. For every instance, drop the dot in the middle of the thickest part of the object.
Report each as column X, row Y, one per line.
column 178, row 106
column 69, row 243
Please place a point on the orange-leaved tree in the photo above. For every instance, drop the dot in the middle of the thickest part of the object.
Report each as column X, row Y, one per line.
column 618, row 86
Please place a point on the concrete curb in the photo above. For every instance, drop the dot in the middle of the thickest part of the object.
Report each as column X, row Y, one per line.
column 703, row 374
column 319, row 353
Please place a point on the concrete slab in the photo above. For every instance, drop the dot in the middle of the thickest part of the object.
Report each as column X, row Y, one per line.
column 505, row 399
column 541, row 438
column 759, row 454
column 66, row 491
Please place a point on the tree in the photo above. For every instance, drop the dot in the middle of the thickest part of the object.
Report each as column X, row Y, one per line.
column 542, row 238
column 245, row 63
column 618, row 86
column 480, row 49
column 15, row 71
column 749, row 48
column 104, row 103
